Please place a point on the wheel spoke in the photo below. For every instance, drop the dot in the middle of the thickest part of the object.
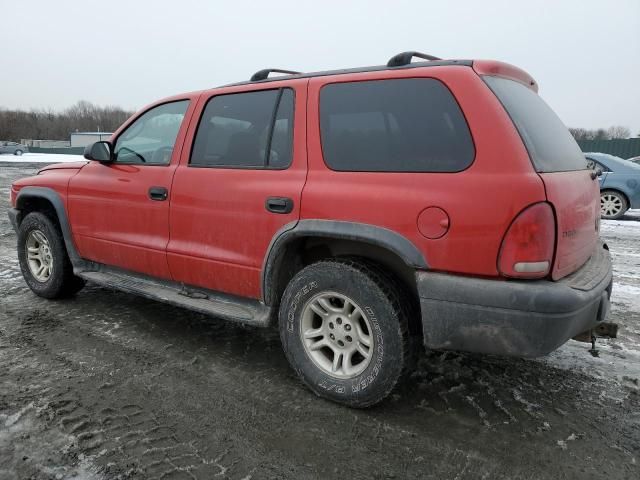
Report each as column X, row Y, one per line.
column 337, row 361
column 324, row 303
column 364, row 351
column 40, row 237
column 318, row 345
column 314, row 333
column 348, row 308
column 41, row 269
column 318, row 309
column 364, row 338
column 347, row 363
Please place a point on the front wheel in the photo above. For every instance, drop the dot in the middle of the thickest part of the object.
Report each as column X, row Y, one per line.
column 43, row 258
column 344, row 330
column 18, row 152
column 613, row 205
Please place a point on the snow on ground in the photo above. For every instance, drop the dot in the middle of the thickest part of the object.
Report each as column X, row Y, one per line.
column 620, row 357
column 40, row 158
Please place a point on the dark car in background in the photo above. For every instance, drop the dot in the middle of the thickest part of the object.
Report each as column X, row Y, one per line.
column 13, row 148
column 619, row 184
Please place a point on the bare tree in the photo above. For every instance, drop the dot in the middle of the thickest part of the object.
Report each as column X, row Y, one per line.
column 615, row 132
column 618, row 131
column 47, row 124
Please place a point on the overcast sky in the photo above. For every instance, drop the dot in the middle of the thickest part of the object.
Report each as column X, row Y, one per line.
column 585, row 54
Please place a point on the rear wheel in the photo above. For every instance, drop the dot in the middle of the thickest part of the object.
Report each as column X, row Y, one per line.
column 43, row 258
column 344, row 329
column 18, row 152
column 613, row 205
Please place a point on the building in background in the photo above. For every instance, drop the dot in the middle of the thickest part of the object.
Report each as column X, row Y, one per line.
column 45, row 143
column 82, row 139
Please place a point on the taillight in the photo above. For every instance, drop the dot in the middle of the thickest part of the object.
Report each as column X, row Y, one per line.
column 527, row 247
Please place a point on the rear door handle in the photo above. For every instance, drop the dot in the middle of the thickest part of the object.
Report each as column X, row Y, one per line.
column 279, row 205
column 158, row 193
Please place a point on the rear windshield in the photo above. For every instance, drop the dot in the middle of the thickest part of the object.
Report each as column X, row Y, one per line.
column 549, row 143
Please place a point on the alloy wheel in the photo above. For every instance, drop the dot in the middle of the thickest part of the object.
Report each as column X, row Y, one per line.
column 337, row 335
column 39, row 256
column 610, row 205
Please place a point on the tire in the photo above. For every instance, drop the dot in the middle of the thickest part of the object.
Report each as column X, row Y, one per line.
column 613, row 204
column 18, row 152
column 361, row 379
column 39, row 232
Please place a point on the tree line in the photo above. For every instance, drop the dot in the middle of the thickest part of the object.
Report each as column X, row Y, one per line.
column 47, row 124
column 611, row 133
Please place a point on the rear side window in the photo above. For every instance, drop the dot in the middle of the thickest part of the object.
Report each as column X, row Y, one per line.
column 549, row 143
column 246, row 130
column 404, row 125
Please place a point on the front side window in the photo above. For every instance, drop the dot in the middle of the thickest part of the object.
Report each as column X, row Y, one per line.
column 246, row 130
column 150, row 139
column 404, row 125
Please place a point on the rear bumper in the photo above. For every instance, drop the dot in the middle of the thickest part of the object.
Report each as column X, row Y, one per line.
column 518, row 318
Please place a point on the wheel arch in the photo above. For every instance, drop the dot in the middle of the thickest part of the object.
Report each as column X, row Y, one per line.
column 48, row 201
column 298, row 244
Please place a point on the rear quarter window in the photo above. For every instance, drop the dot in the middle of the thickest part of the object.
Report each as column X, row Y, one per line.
column 402, row 125
column 551, row 146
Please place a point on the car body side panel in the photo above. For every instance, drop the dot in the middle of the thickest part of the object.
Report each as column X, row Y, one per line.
column 627, row 184
column 479, row 214
column 575, row 199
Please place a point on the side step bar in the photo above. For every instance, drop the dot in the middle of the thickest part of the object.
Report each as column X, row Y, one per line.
column 217, row 304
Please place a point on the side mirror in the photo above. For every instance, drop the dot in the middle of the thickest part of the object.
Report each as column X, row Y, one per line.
column 99, row 152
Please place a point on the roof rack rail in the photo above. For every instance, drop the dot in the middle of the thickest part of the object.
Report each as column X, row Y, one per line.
column 404, row 58
column 264, row 74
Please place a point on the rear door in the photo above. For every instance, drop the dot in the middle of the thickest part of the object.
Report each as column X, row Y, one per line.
column 238, row 183
column 570, row 186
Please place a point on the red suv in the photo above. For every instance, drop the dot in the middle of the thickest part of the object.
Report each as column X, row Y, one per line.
column 366, row 211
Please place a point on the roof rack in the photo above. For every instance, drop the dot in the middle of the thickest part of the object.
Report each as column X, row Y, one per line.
column 404, row 58
column 264, row 74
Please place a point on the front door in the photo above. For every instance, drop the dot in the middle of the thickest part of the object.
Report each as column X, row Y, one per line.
column 238, row 185
column 119, row 211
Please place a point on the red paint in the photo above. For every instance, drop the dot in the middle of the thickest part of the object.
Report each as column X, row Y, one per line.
column 214, row 231
column 220, row 229
column 433, row 222
column 575, row 197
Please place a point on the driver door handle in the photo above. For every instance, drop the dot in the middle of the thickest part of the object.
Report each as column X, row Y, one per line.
column 159, row 194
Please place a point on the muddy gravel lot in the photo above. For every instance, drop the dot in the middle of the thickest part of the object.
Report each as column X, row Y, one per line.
column 108, row 385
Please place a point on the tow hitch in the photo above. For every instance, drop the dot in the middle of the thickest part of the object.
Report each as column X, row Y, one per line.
column 602, row 330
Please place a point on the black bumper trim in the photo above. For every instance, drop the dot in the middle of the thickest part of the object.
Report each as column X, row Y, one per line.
column 13, row 218
column 505, row 317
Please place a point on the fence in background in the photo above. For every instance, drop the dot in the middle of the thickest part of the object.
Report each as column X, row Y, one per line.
column 627, row 148
column 63, row 150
